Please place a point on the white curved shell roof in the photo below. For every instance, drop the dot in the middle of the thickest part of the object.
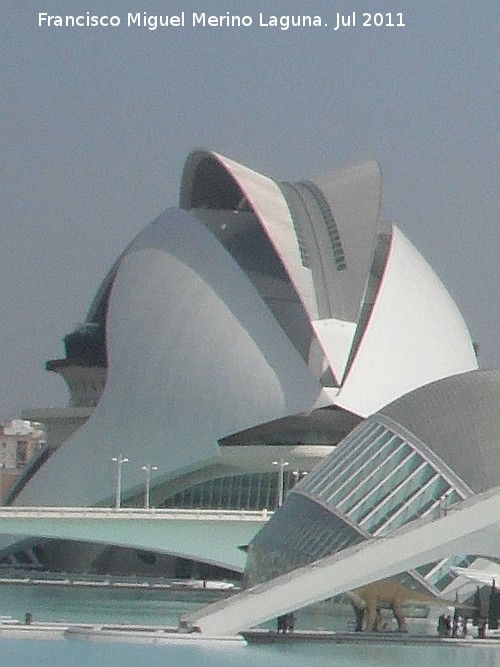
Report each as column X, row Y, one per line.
column 415, row 334
column 194, row 355
column 263, row 300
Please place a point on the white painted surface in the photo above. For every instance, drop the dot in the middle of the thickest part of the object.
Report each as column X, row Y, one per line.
column 194, row 355
column 415, row 335
column 471, row 527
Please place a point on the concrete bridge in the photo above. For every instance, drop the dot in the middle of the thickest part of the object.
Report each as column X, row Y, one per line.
column 210, row 536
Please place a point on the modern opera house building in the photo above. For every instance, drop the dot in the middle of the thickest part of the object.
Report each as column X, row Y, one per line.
column 258, row 323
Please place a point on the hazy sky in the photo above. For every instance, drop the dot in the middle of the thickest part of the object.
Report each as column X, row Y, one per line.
column 97, row 123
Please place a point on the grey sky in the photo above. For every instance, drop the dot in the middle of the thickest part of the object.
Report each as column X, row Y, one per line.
column 97, row 122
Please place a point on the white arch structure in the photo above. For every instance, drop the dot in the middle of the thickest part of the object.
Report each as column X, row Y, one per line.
column 472, row 527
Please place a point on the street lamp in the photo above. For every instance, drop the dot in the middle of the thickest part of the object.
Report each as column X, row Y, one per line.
column 147, row 483
column 2, row 466
column 281, row 478
column 297, row 476
column 119, row 461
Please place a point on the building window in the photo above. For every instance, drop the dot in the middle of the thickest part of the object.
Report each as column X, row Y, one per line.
column 21, row 453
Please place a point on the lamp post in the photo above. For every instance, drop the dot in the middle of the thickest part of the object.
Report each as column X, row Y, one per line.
column 119, row 461
column 281, row 478
column 298, row 476
column 2, row 466
column 147, row 483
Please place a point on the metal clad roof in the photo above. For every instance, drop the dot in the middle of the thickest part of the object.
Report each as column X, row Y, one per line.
column 459, row 419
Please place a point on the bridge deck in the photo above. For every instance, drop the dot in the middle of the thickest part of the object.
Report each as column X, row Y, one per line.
column 210, row 536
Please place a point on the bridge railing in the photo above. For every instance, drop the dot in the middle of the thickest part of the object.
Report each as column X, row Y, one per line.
column 135, row 512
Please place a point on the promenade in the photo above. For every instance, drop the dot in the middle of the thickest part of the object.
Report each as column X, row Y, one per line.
column 152, row 634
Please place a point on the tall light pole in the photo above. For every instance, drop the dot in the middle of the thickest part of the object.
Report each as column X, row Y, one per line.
column 119, row 461
column 281, row 478
column 2, row 466
column 147, row 483
column 298, row 476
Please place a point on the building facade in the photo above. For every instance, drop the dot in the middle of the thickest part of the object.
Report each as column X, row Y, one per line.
column 21, row 442
column 257, row 323
column 416, row 458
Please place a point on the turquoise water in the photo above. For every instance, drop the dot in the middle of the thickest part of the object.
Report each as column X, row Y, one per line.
column 49, row 603
column 97, row 605
column 79, row 653
column 114, row 605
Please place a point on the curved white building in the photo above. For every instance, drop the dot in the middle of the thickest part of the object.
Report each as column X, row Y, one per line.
column 259, row 321
column 418, row 458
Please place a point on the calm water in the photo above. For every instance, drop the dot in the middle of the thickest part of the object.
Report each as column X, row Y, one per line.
column 153, row 607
